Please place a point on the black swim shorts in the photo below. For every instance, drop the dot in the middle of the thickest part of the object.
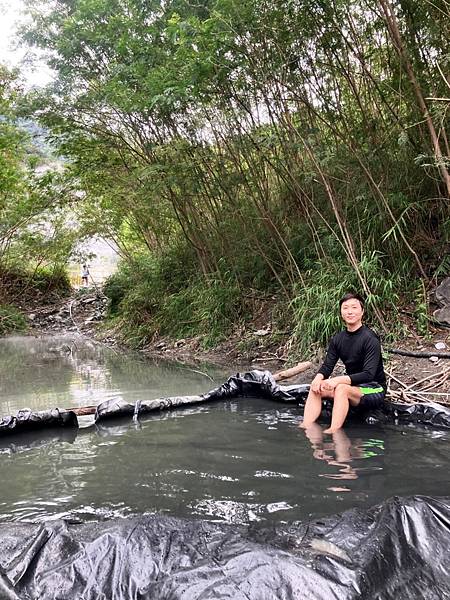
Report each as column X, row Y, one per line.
column 373, row 395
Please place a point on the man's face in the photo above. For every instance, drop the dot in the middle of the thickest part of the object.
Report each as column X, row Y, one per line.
column 352, row 311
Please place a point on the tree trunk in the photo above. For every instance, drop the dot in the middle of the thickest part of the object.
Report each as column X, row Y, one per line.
column 400, row 48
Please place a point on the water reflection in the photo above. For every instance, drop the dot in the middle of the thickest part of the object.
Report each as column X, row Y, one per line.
column 341, row 453
column 239, row 460
column 65, row 371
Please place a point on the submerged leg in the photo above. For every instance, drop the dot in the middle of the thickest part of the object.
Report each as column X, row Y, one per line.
column 313, row 408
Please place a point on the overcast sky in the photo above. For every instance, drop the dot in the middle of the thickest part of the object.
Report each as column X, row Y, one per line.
column 11, row 13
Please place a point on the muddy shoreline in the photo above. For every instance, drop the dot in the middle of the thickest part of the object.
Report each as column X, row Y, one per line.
column 84, row 313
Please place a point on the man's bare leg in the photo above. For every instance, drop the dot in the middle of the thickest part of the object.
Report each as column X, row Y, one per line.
column 344, row 395
column 313, row 408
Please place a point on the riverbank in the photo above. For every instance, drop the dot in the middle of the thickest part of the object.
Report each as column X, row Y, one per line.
column 256, row 346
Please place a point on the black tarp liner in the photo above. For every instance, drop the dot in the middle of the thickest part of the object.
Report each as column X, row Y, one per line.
column 262, row 384
column 431, row 414
column 396, row 550
column 254, row 383
column 26, row 420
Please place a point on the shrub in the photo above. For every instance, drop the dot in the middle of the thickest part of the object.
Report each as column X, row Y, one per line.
column 163, row 296
column 11, row 319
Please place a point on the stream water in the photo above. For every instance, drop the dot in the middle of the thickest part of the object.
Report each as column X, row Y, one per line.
column 237, row 461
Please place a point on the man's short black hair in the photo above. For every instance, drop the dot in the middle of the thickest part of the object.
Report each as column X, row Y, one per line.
column 351, row 296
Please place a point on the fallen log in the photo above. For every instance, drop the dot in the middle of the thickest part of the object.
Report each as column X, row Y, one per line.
column 287, row 373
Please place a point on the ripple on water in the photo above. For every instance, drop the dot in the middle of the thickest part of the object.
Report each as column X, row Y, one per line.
column 235, row 461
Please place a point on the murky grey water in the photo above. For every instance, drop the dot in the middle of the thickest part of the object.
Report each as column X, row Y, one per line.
column 237, row 461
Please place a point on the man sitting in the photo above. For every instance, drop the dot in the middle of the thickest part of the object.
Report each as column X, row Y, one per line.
column 364, row 383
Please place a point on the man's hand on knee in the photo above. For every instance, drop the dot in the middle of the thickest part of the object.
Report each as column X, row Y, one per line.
column 316, row 384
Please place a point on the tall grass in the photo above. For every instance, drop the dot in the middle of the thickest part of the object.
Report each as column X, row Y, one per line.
column 149, row 302
column 315, row 307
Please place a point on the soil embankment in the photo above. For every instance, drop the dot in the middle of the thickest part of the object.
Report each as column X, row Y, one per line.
column 410, row 378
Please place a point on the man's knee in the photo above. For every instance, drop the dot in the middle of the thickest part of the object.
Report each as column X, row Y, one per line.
column 343, row 388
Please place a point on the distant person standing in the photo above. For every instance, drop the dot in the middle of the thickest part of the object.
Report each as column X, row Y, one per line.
column 84, row 275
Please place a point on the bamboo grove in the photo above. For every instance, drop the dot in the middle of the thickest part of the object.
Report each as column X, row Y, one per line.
column 235, row 149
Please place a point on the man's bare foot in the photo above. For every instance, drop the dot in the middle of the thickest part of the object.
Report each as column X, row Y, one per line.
column 306, row 424
column 331, row 430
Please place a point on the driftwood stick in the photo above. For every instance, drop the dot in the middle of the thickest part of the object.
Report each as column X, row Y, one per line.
column 434, row 386
column 433, row 375
column 413, row 393
column 299, row 368
column 396, row 379
column 80, row 411
column 434, row 393
column 401, row 396
column 196, row 371
column 422, row 397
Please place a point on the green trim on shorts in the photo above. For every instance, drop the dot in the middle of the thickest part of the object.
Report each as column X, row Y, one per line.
column 368, row 390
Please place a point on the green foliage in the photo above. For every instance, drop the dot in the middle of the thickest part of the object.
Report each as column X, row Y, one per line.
column 163, row 274
column 150, row 302
column 11, row 319
column 315, row 307
column 50, row 280
column 115, row 289
column 34, row 228
column 22, row 285
column 421, row 310
column 229, row 145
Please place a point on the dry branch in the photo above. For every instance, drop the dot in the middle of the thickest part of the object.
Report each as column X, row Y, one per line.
column 299, row 368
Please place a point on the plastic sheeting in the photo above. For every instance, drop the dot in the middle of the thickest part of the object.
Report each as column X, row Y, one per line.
column 398, row 549
column 262, row 384
column 26, row 420
column 254, row 383
column 430, row 414
column 119, row 408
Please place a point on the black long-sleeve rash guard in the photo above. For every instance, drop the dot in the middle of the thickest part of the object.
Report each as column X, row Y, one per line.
column 360, row 351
